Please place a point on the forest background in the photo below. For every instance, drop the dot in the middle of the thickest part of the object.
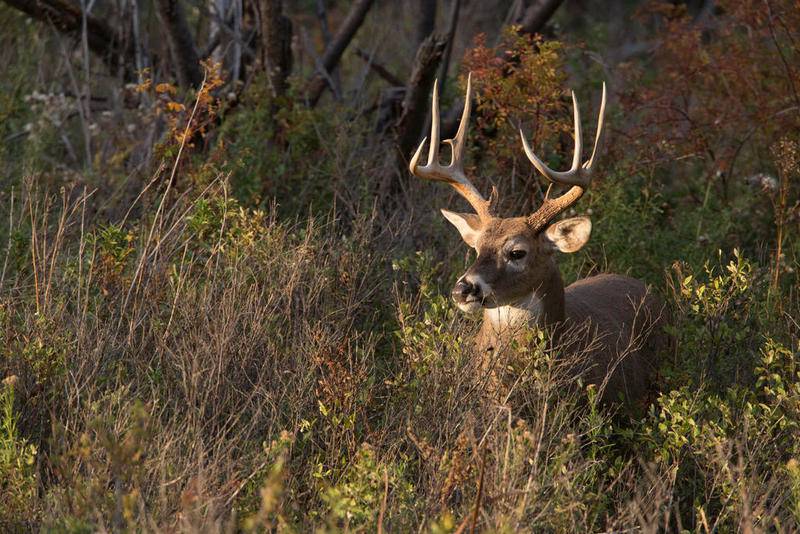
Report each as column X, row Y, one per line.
column 224, row 300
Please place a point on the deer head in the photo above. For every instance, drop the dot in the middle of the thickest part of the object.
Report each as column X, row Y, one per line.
column 514, row 255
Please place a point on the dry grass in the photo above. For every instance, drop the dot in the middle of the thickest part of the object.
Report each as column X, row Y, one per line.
column 174, row 360
column 218, row 367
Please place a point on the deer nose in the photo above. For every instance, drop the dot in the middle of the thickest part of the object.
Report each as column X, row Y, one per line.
column 465, row 289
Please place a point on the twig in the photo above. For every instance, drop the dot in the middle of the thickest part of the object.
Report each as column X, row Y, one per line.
column 787, row 68
column 10, row 235
column 160, row 208
column 480, row 493
column 474, row 517
column 333, row 53
column 382, row 512
column 379, row 69
column 248, row 478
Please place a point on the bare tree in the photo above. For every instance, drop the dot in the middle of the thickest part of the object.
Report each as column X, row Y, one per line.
column 181, row 43
column 276, row 45
column 532, row 15
column 333, row 53
column 67, row 17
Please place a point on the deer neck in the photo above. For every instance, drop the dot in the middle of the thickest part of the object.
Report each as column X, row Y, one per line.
column 543, row 306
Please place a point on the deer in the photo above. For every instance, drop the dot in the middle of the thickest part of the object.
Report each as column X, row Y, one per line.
column 515, row 280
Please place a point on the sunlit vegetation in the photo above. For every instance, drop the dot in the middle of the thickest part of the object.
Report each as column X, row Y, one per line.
column 211, row 320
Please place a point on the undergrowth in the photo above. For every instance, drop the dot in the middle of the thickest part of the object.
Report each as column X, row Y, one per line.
column 218, row 330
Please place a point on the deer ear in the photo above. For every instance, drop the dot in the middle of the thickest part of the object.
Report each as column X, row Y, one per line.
column 467, row 224
column 569, row 235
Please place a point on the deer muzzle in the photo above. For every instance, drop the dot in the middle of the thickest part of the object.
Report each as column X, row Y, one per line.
column 470, row 293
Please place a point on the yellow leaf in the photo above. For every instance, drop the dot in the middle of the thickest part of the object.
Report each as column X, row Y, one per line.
column 165, row 88
column 175, row 106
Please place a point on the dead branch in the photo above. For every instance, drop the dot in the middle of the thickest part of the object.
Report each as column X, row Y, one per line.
column 534, row 15
column 181, row 43
column 333, row 53
column 379, row 69
column 66, row 17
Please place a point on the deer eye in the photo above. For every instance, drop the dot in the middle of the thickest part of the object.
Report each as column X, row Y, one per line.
column 517, row 254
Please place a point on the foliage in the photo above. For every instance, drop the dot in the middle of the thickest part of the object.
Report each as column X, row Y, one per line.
column 17, row 463
column 206, row 325
column 518, row 82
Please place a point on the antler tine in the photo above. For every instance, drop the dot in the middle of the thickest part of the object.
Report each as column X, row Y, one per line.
column 453, row 173
column 575, row 175
column 588, row 164
column 433, row 151
column 457, row 144
column 578, row 176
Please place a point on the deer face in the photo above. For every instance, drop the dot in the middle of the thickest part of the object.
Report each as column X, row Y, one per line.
column 514, row 260
column 515, row 255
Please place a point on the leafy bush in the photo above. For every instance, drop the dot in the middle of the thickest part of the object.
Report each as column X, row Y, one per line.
column 17, row 463
column 247, row 344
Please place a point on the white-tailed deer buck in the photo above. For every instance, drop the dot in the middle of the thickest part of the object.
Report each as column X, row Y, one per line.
column 517, row 284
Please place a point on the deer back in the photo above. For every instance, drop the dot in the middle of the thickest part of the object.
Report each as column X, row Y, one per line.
column 616, row 324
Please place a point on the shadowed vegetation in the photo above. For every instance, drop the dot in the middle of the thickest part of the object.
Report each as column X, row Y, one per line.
column 215, row 316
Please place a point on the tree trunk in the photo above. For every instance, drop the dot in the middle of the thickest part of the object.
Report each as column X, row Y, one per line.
column 413, row 119
column 452, row 24
column 426, row 21
column 276, row 45
column 333, row 53
column 534, row 15
column 227, row 36
column 181, row 43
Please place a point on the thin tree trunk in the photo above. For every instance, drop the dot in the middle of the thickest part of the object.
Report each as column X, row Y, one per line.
column 452, row 24
column 426, row 20
column 181, row 43
column 226, row 42
column 536, row 14
column 322, row 15
column 413, row 119
column 333, row 53
column 276, row 49
column 415, row 104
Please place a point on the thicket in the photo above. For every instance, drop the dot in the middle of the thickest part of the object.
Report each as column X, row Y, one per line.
column 217, row 329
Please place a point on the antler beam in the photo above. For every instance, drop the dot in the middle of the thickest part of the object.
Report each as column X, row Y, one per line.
column 578, row 176
column 453, row 173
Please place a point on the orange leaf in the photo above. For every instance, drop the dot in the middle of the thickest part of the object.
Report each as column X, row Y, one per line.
column 175, row 106
column 166, row 88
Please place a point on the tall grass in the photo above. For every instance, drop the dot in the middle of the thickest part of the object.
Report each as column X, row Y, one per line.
column 186, row 345
column 220, row 367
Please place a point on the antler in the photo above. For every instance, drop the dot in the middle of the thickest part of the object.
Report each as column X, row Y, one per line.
column 578, row 176
column 453, row 173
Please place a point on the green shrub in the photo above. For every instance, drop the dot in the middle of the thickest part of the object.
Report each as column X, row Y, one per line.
column 18, row 479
